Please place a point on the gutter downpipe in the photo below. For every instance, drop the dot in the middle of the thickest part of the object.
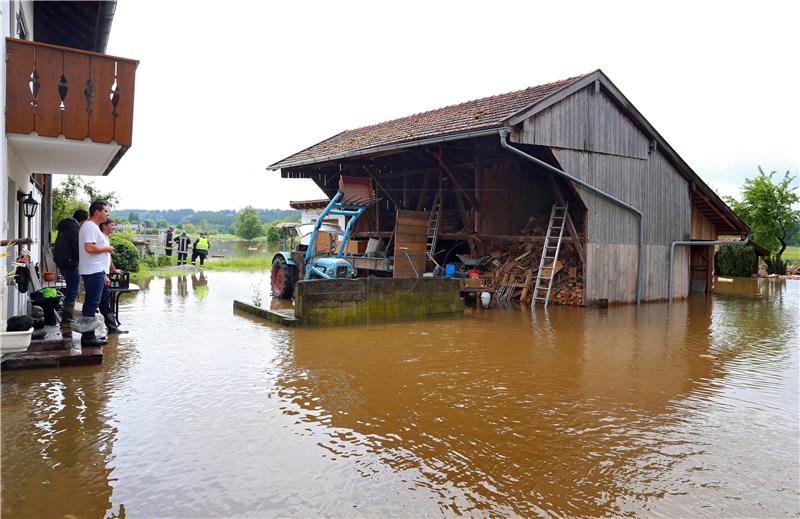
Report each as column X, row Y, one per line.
column 697, row 242
column 504, row 133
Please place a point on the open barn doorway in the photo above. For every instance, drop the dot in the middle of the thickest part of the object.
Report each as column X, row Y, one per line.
column 701, row 268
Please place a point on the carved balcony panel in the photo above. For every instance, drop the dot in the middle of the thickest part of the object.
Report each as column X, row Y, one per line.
column 56, row 91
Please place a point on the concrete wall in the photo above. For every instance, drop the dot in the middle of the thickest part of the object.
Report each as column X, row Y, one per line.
column 372, row 300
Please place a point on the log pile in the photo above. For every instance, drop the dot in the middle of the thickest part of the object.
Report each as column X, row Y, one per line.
column 516, row 268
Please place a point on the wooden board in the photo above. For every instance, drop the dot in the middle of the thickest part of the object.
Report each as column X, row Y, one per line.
column 123, row 123
column 48, row 111
column 19, row 66
column 411, row 230
column 101, row 120
column 75, row 118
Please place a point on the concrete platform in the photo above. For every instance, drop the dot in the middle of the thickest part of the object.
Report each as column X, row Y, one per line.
column 53, row 351
column 283, row 316
column 53, row 359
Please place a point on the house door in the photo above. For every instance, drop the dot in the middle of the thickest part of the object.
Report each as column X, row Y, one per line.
column 701, row 268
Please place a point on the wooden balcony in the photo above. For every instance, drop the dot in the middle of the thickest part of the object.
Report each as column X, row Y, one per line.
column 70, row 95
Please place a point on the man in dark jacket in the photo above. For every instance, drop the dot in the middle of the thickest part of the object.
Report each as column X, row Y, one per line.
column 65, row 255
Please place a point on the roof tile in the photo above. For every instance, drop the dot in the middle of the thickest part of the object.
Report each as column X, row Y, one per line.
column 479, row 114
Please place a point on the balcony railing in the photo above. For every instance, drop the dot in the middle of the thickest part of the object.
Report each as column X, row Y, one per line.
column 55, row 91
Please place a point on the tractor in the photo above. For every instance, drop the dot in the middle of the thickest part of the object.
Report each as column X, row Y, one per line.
column 355, row 195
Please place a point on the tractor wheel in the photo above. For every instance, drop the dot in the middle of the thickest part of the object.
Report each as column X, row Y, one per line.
column 283, row 278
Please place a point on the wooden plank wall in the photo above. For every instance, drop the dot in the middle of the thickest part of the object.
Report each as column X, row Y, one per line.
column 411, row 229
column 595, row 142
column 702, row 228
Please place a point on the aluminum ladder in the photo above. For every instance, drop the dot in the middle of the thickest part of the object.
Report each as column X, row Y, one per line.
column 433, row 226
column 555, row 231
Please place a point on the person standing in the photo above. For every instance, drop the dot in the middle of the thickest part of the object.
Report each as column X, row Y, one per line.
column 183, row 242
column 110, row 318
column 168, row 242
column 65, row 255
column 200, row 249
column 94, row 262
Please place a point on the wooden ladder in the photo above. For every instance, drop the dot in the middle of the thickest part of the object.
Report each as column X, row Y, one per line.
column 433, row 226
column 555, row 231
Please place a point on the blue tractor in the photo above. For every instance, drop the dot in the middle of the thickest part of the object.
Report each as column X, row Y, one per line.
column 355, row 195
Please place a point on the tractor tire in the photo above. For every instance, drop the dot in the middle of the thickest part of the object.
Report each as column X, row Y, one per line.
column 283, row 278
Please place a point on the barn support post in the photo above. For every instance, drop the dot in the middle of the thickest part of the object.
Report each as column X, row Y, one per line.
column 639, row 271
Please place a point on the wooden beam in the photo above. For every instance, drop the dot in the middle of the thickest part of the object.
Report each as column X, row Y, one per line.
column 457, row 181
column 498, row 237
column 378, row 183
column 422, row 191
column 714, row 208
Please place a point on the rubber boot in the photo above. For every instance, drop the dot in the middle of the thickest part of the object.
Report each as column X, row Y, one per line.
column 67, row 315
column 89, row 340
column 111, row 324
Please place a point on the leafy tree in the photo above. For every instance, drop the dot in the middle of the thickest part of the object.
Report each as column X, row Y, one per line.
column 190, row 228
column 76, row 193
column 248, row 224
column 133, row 217
column 204, row 226
column 179, row 226
column 766, row 206
column 162, row 223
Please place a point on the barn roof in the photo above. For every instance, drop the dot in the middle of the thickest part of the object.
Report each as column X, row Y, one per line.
column 490, row 114
column 479, row 114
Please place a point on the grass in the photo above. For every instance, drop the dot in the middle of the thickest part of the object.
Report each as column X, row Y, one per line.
column 792, row 254
column 249, row 264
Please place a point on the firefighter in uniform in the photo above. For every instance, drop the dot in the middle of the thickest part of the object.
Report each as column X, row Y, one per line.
column 200, row 249
column 182, row 242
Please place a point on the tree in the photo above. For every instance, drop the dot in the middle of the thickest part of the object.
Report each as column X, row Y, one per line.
column 76, row 193
column 133, row 217
column 248, row 223
column 766, row 207
column 150, row 223
column 189, row 228
column 163, row 224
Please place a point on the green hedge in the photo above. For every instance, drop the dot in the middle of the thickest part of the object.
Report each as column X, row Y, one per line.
column 735, row 260
column 124, row 256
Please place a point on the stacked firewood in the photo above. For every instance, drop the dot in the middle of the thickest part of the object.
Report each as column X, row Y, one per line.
column 516, row 268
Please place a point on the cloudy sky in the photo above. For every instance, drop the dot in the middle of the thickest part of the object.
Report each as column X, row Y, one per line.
column 224, row 89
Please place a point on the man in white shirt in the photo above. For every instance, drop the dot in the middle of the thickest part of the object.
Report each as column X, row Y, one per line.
column 94, row 258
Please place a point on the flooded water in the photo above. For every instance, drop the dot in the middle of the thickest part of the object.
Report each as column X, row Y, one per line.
column 200, row 412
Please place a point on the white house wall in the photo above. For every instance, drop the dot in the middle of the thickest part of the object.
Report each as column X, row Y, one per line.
column 15, row 178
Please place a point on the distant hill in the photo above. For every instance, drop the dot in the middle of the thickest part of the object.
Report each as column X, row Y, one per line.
column 220, row 219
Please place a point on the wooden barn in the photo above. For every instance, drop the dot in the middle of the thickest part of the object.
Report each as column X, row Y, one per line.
column 489, row 177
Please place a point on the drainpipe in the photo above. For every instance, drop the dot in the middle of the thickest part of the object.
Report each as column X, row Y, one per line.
column 504, row 133
column 697, row 242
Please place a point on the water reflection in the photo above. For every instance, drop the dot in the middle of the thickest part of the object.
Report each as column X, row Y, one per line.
column 563, row 412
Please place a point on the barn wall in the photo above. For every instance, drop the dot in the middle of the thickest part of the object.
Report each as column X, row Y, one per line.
column 702, row 228
column 594, row 141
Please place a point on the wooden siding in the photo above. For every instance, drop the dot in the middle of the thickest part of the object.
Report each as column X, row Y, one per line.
column 586, row 121
column 594, row 141
column 702, row 228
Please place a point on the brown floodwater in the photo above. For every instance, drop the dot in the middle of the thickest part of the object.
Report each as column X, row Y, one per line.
column 202, row 412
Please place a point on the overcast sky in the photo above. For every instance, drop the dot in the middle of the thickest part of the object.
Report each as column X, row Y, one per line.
column 224, row 89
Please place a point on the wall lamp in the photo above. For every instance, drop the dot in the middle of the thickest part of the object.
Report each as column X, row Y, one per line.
column 29, row 205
